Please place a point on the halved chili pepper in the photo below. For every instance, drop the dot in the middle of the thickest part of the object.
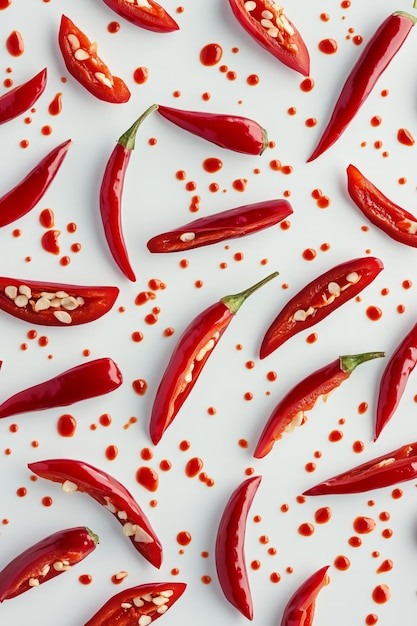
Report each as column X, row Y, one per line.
column 232, row 132
column 372, row 62
column 111, row 192
column 386, row 470
column 238, row 222
column 83, row 63
column 55, row 304
column 29, row 191
column 46, row 559
column 77, row 475
column 22, row 97
column 319, row 298
column 300, row 608
column 266, row 22
column 230, row 547
column 290, row 411
column 140, row 605
column 144, row 13
column 190, row 355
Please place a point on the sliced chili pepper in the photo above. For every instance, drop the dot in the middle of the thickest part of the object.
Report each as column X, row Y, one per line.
column 372, row 62
column 300, row 608
column 266, row 22
column 83, row 63
column 290, row 411
column 22, row 97
column 46, row 559
column 190, row 355
column 29, row 191
column 386, row 470
column 319, row 298
column 232, row 132
column 55, row 304
column 229, row 224
column 140, row 605
column 144, row 13
column 111, row 193
column 77, row 475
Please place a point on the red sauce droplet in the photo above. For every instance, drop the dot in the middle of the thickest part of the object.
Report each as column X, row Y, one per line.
column 405, row 137
column 307, row 84
column 385, row 566
column 21, row 492
column 148, row 478
column 355, row 542
column 85, row 579
column 137, row 336
column 206, row 579
column 49, row 241
column 15, row 44
column 371, row 619
column 47, row 218
column 212, row 165
column 376, row 120
column 240, row 184
column 255, row 565
column 362, row 408
column 381, row 594
column 306, row 529
column 341, row 563
column 357, row 40
column 311, row 122
column 141, row 75
column 358, row 446
column 55, row 106
column 363, row 525
column 309, row 254
column 67, row 425
column 4, row 4
column 193, row 467
column 335, row 435
column 140, row 386
column 184, row 538
column 47, row 501
column 328, row 46
column 211, row 54
column 275, row 577
column 312, row 338
column 397, row 493
column 111, row 452
column 323, row 515
column 252, row 80
column 374, row 313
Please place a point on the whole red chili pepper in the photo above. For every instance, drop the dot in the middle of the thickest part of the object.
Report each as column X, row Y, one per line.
column 299, row 610
column 232, row 132
column 139, row 605
column 267, row 24
column 111, row 193
column 46, row 559
column 22, row 97
column 230, row 547
column 318, row 299
column 146, row 14
column 77, row 475
column 229, row 224
column 28, row 192
column 386, row 470
column 55, row 304
column 83, row 63
column 190, row 355
column 290, row 411
column 373, row 60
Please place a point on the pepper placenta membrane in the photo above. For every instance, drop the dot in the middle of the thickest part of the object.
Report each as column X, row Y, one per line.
column 22, row 97
column 300, row 608
column 144, row 13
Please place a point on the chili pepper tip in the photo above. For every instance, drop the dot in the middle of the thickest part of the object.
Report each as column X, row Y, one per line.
column 235, row 301
column 127, row 140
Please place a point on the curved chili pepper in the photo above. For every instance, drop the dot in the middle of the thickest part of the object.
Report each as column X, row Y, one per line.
column 230, row 547
column 83, row 63
column 374, row 59
column 318, row 299
column 190, row 355
column 290, row 411
column 138, row 605
column 106, row 490
column 299, row 610
column 146, row 14
column 54, row 304
column 27, row 193
column 232, row 132
column 229, row 224
column 111, row 192
column 22, row 97
column 46, row 559
column 265, row 21
column 386, row 470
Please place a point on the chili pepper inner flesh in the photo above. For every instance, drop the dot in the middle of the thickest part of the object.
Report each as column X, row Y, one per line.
column 271, row 16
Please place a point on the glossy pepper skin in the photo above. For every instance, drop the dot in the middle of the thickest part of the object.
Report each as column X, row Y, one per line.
column 289, row 412
column 277, row 35
column 46, row 559
column 232, row 132
column 190, row 355
column 372, row 62
column 127, row 607
column 318, row 299
column 149, row 15
column 22, row 97
column 75, row 475
column 230, row 547
column 300, row 608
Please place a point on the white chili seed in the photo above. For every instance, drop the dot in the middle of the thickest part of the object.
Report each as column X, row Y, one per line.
column 80, row 300
column 141, row 536
column 129, row 529
column 48, row 294
column 250, row 5
column 42, row 304
column 267, row 15
column 121, row 575
column 69, row 303
column 334, row 289
column 159, row 600
column 125, row 605
column 81, row 55
column 73, row 41
column 25, row 291
column 162, row 609
column 55, row 303
column 300, row 316
column 147, row 597
column 11, row 292
column 187, row 237
column 102, row 78
column 138, row 601
column 44, row 571
column 168, row 593
column 109, row 505
column 273, row 32
column 352, row 277
column 122, row 515
column 33, row 582
column 63, row 316
column 144, row 620
column 267, row 24
column 62, row 294
column 68, row 486
column 21, row 301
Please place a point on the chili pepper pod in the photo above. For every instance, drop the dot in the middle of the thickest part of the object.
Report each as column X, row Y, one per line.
column 190, row 355
column 22, row 97
column 149, row 15
column 300, row 608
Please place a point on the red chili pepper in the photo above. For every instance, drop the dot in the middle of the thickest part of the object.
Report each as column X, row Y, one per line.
column 138, row 605
column 29, row 191
column 386, row 470
column 106, row 490
column 229, row 224
column 190, row 355
column 230, row 547
column 147, row 14
column 46, row 559
column 374, row 59
column 300, row 608
column 83, row 63
column 319, row 298
column 55, row 304
column 22, row 97
column 111, row 193
column 265, row 21
column 290, row 411
column 232, row 132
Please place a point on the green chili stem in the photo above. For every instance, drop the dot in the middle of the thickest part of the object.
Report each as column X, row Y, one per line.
column 128, row 138
column 235, row 301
